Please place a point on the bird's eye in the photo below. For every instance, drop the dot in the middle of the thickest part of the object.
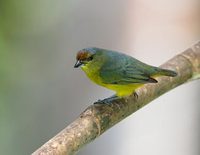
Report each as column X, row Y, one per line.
column 90, row 58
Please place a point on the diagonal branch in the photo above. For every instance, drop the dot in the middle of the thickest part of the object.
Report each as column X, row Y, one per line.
column 98, row 118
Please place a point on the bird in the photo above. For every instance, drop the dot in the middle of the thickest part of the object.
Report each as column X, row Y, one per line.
column 117, row 71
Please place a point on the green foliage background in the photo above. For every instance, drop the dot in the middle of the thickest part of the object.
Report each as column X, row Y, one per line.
column 28, row 54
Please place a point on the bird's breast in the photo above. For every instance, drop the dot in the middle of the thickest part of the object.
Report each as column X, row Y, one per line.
column 93, row 74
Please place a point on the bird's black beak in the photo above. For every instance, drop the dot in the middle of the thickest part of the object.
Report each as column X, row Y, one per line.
column 78, row 64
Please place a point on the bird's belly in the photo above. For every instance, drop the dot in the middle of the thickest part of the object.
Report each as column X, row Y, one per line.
column 123, row 90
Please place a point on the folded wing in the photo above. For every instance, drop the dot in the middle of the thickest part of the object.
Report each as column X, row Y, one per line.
column 125, row 70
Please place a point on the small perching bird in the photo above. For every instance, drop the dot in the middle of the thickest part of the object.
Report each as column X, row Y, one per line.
column 118, row 71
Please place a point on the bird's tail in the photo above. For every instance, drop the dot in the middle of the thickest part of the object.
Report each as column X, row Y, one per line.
column 166, row 72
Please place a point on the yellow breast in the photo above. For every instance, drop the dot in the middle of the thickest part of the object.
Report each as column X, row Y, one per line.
column 93, row 74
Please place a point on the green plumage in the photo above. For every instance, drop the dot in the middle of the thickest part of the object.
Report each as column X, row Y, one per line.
column 120, row 68
column 118, row 71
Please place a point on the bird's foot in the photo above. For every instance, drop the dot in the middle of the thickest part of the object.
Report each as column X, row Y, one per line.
column 107, row 100
column 135, row 95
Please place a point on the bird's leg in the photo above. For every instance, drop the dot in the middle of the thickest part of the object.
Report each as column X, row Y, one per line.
column 107, row 100
column 113, row 97
column 135, row 95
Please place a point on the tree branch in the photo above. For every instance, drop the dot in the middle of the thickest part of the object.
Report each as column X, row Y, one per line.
column 98, row 118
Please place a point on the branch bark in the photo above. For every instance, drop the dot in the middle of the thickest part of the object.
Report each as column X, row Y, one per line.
column 98, row 118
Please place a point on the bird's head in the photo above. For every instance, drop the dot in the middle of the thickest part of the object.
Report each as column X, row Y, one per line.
column 84, row 56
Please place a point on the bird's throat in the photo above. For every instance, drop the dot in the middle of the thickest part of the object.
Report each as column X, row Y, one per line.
column 92, row 72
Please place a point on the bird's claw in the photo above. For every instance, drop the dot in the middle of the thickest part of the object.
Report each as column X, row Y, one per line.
column 104, row 101
column 135, row 95
column 107, row 100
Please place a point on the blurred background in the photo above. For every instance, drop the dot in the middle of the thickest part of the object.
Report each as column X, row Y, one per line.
column 41, row 92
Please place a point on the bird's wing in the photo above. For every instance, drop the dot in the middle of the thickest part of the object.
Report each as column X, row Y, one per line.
column 123, row 71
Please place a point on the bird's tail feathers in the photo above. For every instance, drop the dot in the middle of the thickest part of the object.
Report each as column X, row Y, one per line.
column 166, row 72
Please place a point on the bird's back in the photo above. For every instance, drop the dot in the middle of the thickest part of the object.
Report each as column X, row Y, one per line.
column 120, row 68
